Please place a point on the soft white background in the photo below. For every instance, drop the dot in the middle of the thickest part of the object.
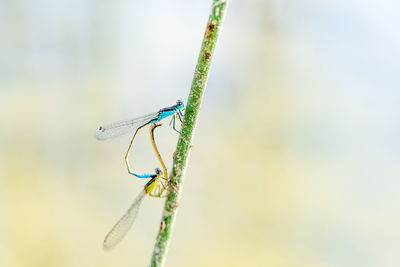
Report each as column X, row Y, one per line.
column 295, row 160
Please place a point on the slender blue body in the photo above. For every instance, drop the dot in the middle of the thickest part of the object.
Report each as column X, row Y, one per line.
column 142, row 175
column 166, row 112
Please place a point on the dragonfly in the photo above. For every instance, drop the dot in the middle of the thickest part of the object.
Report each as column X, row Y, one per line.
column 154, row 188
column 135, row 125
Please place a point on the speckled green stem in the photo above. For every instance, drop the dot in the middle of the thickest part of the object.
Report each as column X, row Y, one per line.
column 181, row 154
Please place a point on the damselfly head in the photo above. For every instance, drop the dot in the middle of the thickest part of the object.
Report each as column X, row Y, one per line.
column 179, row 104
column 158, row 171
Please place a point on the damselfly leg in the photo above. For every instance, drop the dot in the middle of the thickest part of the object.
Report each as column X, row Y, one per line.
column 178, row 115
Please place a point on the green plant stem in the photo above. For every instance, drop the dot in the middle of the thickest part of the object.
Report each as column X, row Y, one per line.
column 181, row 154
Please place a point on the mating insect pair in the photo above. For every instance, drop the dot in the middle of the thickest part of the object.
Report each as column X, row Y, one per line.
column 159, row 181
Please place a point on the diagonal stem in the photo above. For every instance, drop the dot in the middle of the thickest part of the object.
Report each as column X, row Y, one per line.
column 181, row 154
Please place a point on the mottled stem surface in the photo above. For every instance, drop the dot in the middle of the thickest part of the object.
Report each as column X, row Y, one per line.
column 181, row 154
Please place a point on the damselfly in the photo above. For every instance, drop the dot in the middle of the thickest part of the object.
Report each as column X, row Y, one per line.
column 134, row 125
column 155, row 188
column 121, row 228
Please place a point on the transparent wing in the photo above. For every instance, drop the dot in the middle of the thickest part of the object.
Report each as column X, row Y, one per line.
column 122, row 127
column 124, row 224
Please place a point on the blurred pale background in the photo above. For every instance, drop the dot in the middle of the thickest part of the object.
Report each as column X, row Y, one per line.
column 295, row 160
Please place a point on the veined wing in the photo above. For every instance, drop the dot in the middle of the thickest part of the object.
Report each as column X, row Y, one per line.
column 124, row 224
column 122, row 127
